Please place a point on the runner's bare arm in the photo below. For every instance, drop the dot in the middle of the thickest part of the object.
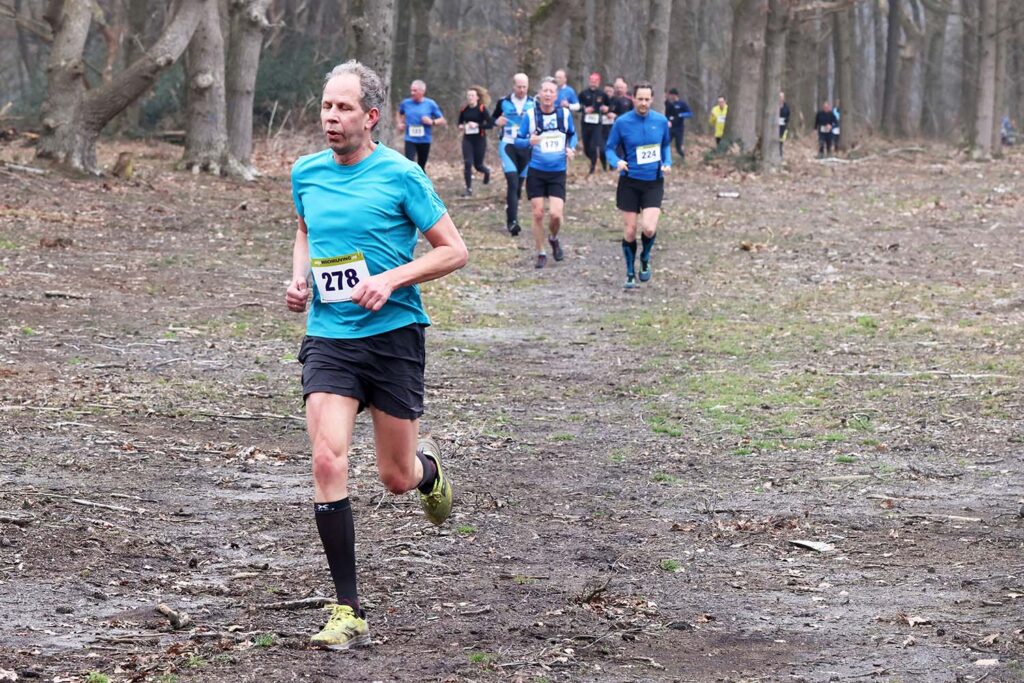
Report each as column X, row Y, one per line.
column 448, row 253
column 298, row 292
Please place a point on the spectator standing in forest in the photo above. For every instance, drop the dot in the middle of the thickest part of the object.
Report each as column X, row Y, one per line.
column 417, row 116
column 676, row 111
column 566, row 96
column 644, row 136
column 361, row 208
column 824, row 121
column 783, row 121
column 719, row 113
column 552, row 137
column 474, row 120
column 510, row 114
column 595, row 104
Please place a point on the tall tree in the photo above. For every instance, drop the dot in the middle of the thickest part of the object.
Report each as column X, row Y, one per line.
column 656, row 59
column 575, row 66
column 971, row 47
column 774, row 66
column 932, row 106
column 912, row 23
column 748, row 26
column 248, row 25
column 892, row 67
column 878, row 28
column 374, row 29
column 999, row 94
column 843, row 22
column 72, row 116
column 988, row 10
column 206, row 132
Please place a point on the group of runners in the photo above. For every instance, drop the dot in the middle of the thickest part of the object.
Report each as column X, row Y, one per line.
column 361, row 207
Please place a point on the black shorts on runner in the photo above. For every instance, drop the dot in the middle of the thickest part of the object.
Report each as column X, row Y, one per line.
column 545, row 184
column 384, row 371
column 634, row 195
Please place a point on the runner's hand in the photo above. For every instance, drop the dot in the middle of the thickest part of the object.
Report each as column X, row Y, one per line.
column 372, row 294
column 426, row 120
column 500, row 121
column 623, row 165
column 534, row 139
column 570, row 153
column 666, row 169
column 297, row 295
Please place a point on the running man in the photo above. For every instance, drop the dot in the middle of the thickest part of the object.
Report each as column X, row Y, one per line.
column 417, row 116
column 677, row 111
column 566, row 96
column 594, row 104
column 607, row 119
column 835, row 128
column 620, row 103
column 361, row 207
column 474, row 119
column 719, row 113
column 510, row 114
column 644, row 135
column 783, row 120
column 824, row 121
column 552, row 137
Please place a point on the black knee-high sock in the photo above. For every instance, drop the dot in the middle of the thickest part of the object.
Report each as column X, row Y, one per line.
column 648, row 242
column 338, row 534
column 629, row 253
column 511, row 198
column 429, row 473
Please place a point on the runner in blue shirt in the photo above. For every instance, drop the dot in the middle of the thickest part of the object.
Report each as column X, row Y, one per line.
column 510, row 114
column 552, row 137
column 361, row 209
column 644, row 136
column 417, row 116
column 566, row 96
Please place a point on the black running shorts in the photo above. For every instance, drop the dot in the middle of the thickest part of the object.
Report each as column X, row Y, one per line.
column 384, row 371
column 634, row 195
column 545, row 184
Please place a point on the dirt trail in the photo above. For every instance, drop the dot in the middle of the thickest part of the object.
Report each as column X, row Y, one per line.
column 834, row 357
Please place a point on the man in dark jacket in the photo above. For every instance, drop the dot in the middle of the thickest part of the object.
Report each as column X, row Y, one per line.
column 677, row 111
column 824, row 121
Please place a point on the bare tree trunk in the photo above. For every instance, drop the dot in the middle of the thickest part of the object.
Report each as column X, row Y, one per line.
column 401, row 70
column 999, row 96
column 137, row 20
column 913, row 36
column 72, row 118
column 206, row 132
column 774, row 65
column 1016, row 65
column 880, row 70
column 843, row 23
column 892, row 65
column 986, row 81
column 374, row 42
column 932, row 117
column 421, row 39
column 823, row 54
column 577, row 43
column 800, row 75
column 748, row 27
column 656, row 59
column 248, row 25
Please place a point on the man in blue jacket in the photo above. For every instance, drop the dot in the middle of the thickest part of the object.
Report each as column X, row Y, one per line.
column 511, row 114
column 677, row 111
column 645, row 140
column 552, row 137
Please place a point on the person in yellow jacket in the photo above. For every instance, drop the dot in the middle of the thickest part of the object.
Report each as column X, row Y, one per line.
column 717, row 119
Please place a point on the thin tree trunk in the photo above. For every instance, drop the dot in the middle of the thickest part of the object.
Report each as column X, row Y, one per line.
column 892, row 66
column 986, row 81
column 843, row 23
column 72, row 118
column 801, row 73
column 774, row 65
column 374, row 43
column 999, row 96
column 575, row 65
column 969, row 70
column 932, row 116
column 248, row 26
column 880, row 69
column 748, row 27
column 206, row 133
column 909, row 54
column 823, row 54
column 1016, row 65
column 656, row 59
column 420, row 40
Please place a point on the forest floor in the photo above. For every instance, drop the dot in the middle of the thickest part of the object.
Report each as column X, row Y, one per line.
column 797, row 454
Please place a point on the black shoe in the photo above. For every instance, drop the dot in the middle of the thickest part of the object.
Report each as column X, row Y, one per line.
column 487, row 177
column 542, row 260
column 513, row 228
column 556, row 248
column 468, row 192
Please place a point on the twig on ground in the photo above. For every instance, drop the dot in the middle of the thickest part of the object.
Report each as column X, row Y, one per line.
column 304, row 603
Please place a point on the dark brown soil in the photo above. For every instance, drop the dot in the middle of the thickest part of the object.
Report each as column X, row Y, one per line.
column 834, row 356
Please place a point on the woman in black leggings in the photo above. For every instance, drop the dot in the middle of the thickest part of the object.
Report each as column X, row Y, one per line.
column 474, row 119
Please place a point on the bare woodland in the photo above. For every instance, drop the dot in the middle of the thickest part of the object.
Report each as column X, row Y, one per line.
column 73, row 69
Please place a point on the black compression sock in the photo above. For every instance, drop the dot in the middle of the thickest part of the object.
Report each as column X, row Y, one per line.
column 429, row 473
column 338, row 534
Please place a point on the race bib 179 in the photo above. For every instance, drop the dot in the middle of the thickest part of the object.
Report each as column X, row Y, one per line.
column 552, row 141
column 337, row 276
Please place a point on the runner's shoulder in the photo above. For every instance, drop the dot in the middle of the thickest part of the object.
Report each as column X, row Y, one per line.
column 309, row 162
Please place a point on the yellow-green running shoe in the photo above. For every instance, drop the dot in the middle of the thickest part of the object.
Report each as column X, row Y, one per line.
column 343, row 630
column 437, row 504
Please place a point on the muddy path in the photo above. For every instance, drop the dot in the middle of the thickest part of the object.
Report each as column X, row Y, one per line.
column 797, row 454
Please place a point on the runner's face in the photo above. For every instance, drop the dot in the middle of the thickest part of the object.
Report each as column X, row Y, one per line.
column 560, row 78
column 520, row 86
column 642, row 101
column 548, row 91
column 594, row 82
column 471, row 98
column 342, row 118
column 417, row 91
column 620, row 87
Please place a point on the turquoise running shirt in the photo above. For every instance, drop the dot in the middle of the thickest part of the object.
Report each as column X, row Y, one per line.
column 375, row 208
